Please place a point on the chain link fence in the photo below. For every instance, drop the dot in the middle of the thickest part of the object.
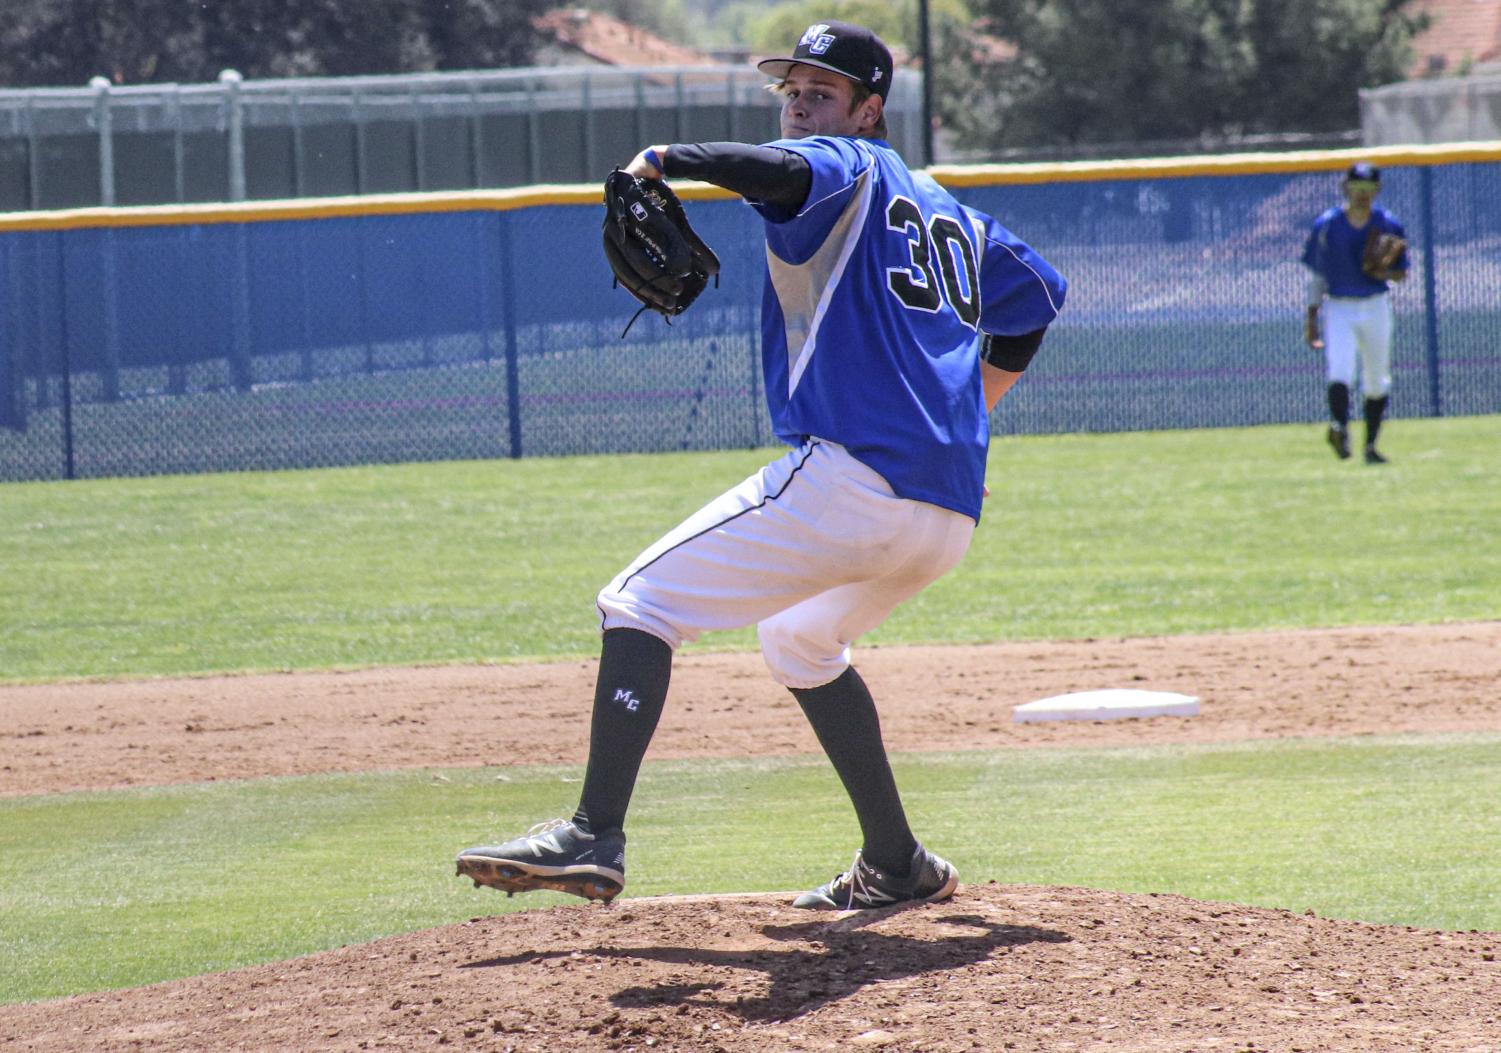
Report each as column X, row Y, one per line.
column 153, row 341
column 259, row 140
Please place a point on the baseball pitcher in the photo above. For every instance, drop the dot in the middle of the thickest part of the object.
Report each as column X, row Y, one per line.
column 893, row 319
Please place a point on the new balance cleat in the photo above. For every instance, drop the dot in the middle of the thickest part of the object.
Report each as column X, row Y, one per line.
column 863, row 887
column 1339, row 438
column 554, row 855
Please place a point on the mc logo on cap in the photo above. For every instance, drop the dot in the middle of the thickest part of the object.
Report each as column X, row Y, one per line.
column 817, row 39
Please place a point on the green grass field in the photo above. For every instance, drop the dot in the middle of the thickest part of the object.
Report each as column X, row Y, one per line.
column 104, row 890
column 1133, row 534
column 1121, row 534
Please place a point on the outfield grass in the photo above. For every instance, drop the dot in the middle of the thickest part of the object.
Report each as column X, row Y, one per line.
column 102, row 890
column 1119, row 534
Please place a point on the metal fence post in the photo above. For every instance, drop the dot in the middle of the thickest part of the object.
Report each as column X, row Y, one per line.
column 231, row 80
column 33, row 156
column 1430, row 292
column 179, row 169
column 241, row 363
column 109, row 373
column 641, row 111
column 679, row 111
column 734, row 107
column 419, row 137
column 102, row 122
column 109, row 370
column 12, row 381
column 533, row 136
column 299, row 166
column 586, row 105
column 361, row 176
column 476, row 140
column 64, row 338
column 508, row 308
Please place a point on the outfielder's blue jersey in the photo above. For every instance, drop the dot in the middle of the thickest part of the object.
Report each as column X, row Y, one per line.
column 1334, row 251
column 876, row 293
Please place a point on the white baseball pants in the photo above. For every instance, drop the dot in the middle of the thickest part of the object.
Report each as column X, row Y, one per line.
column 1359, row 330
column 814, row 549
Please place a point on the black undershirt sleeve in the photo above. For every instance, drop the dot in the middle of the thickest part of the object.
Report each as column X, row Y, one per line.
column 758, row 173
column 1012, row 353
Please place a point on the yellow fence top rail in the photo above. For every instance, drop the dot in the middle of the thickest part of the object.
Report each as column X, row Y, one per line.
column 1214, row 165
column 591, row 194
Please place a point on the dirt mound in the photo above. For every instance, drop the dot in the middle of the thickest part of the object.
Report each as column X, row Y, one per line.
column 996, row 968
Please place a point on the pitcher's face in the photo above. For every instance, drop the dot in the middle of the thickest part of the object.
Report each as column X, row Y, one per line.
column 817, row 102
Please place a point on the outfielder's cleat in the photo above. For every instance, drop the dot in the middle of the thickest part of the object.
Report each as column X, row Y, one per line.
column 554, row 855
column 1339, row 438
column 1372, row 456
column 863, row 887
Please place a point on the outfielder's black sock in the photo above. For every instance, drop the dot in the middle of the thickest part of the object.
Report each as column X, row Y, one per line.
column 634, row 669
column 1339, row 404
column 844, row 718
column 1375, row 410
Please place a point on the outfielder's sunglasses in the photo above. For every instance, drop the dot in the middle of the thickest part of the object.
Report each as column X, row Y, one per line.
column 1362, row 184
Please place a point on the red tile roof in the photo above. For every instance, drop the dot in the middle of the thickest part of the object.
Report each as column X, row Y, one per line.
column 615, row 43
column 1464, row 33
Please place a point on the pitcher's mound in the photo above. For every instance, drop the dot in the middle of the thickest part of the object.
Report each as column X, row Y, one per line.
column 996, row 968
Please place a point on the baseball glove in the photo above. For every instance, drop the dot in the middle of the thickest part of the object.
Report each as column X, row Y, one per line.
column 655, row 253
column 1382, row 251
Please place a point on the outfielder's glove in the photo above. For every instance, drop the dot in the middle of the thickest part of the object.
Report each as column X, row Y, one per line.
column 1382, row 251
column 650, row 245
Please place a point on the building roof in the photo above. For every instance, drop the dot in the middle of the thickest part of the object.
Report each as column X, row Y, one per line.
column 1465, row 34
column 601, row 38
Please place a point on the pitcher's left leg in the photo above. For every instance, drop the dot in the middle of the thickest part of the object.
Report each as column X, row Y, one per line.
column 807, row 648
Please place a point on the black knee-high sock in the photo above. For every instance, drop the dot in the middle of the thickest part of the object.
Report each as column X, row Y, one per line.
column 1339, row 404
column 634, row 669
column 844, row 718
column 1375, row 409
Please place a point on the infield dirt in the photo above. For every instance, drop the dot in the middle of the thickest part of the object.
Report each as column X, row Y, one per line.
column 997, row 968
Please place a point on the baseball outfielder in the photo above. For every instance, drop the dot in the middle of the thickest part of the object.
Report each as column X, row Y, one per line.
column 893, row 319
column 1350, row 267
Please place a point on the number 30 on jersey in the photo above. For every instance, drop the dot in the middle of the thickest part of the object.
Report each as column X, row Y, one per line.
column 937, row 247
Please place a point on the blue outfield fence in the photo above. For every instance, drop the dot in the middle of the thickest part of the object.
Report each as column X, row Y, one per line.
column 434, row 327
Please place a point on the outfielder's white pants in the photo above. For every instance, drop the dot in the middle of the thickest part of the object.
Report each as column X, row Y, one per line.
column 814, row 549
column 1359, row 330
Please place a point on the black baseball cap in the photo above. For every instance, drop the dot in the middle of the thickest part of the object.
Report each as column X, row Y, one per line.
column 1364, row 172
column 851, row 51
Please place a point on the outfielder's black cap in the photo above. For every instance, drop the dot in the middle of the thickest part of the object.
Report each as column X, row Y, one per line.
column 851, row 51
column 1365, row 172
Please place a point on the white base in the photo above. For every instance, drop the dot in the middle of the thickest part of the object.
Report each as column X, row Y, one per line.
column 1113, row 703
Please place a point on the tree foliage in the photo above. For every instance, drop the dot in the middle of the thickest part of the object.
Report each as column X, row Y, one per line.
column 66, row 42
column 1082, row 71
column 1132, row 70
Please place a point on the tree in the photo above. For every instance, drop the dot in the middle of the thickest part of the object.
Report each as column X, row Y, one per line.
column 1128, row 70
column 1319, row 54
column 779, row 27
column 66, row 42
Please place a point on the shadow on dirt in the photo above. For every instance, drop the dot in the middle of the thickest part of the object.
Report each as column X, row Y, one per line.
column 844, row 957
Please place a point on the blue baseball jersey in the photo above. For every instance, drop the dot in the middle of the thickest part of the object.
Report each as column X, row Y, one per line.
column 877, row 292
column 1335, row 248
